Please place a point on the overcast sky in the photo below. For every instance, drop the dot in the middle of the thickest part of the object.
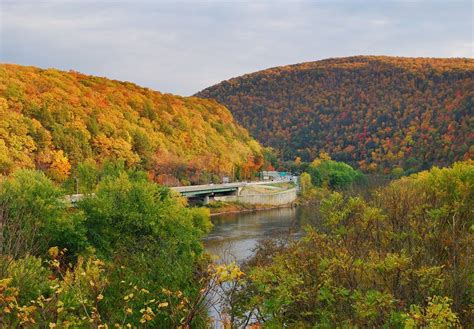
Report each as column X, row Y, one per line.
column 183, row 47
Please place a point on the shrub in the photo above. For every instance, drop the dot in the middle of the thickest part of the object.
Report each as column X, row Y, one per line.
column 35, row 216
column 333, row 174
column 404, row 258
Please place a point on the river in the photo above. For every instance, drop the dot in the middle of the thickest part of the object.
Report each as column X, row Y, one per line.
column 235, row 236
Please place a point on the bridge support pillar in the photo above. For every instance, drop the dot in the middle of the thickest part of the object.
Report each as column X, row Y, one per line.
column 206, row 199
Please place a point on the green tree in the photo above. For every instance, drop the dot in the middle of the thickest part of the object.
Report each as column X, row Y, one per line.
column 305, row 183
column 148, row 230
column 35, row 216
column 337, row 175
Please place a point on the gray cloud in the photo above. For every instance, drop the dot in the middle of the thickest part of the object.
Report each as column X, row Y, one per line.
column 183, row 47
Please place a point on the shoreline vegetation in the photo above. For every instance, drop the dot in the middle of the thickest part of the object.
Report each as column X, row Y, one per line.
column 401, row 258
column 133, row 254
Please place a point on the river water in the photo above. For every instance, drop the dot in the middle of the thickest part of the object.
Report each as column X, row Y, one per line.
column 235, row 236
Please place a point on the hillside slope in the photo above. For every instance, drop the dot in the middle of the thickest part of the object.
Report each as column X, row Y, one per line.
column 374, row 112
column 53, row 120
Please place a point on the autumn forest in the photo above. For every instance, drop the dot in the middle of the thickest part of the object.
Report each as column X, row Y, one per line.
column 377, row 153
column 376, row 113
column 53, row 121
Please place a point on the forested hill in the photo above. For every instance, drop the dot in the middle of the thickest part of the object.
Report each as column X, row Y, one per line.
column 375, row 112
column 54, row 120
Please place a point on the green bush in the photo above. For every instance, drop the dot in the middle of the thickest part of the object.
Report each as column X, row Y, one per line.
column 149, row 231
column 333, row 174
column 37, row 216
column 150, row 243
column 31, row 277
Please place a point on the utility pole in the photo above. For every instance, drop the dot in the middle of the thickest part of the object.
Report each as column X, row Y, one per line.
column 77, row 184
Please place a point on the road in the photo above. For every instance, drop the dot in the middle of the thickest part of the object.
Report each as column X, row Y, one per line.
column 203, row 189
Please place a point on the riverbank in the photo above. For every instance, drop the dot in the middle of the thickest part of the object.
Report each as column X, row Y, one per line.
column 263, row 194
column 220, row 207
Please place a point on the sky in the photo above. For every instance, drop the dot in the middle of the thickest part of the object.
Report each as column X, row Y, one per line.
column 182, row 47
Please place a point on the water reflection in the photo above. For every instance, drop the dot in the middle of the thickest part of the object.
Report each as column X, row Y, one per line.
column 234, row 236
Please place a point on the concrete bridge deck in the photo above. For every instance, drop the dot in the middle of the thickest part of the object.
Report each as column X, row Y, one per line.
column 199, row 190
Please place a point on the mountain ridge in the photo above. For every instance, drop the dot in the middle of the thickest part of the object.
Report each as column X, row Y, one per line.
column 302, row 109
column 52, row 120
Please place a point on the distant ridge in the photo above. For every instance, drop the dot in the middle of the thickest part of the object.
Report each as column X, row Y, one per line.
column 376, row 112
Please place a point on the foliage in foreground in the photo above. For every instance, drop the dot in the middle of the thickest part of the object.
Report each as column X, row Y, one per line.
column 130, row 253
column 56, row 295
column 403, row 259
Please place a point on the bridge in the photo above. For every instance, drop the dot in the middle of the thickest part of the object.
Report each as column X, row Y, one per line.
column 203, row 192
column 209, row 189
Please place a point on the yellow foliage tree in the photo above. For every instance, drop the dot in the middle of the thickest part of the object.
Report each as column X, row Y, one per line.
column 60, row 167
